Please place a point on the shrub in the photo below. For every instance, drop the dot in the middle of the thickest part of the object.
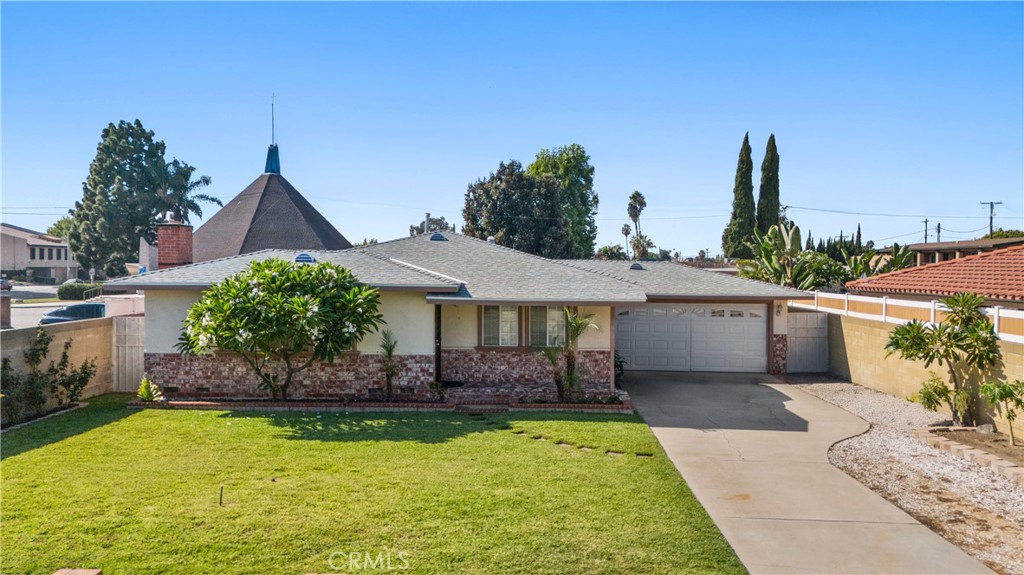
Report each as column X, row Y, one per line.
column 25, row 394
column 149, row 391
column 1009, row 395
column 75, row 291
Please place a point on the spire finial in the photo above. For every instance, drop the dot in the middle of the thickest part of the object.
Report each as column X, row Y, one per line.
column 273, row 159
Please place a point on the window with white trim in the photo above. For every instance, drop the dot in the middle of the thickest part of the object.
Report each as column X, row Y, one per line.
column 547, row 326
column 501, row 325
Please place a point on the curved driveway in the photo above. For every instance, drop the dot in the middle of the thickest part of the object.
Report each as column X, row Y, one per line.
column 754, row 452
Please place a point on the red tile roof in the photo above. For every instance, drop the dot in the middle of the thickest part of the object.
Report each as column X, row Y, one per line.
column 994, row 275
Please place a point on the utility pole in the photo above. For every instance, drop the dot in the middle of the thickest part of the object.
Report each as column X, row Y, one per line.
column 938, row 232
column 925, row 222
column 991, row 212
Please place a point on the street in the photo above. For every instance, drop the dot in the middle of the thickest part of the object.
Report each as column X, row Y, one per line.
column 28, row 315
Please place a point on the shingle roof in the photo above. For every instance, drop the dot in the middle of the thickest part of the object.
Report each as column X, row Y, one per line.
column 370, row 270
column 994, row 275
column 495, row 273
column 966, row 244
column 669, row 280
column 269, row 214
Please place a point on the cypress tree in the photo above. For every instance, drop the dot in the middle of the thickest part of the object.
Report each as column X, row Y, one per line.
column 741, row 224
column 768, row 206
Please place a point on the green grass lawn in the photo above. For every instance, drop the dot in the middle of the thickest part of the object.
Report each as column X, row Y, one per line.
column 137, row 492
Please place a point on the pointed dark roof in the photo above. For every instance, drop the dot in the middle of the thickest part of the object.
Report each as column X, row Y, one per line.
column 269, row 214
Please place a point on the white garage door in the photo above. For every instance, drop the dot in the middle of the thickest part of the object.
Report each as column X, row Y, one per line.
column 693, row 337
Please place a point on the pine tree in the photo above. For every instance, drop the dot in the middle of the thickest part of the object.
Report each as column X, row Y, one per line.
column 810, row 242
column 741, row 225
column 119, row 199
column 857, row 245
column 768, row 205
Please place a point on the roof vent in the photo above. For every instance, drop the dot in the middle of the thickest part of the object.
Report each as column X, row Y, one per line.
column 438, row 237
column 305, row 258
column 636, row 266
column 490, row 240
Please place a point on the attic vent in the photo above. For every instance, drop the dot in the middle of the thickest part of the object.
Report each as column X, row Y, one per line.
column 636, row 266
column 490, row 240
column 438, row 237
column 305, row 258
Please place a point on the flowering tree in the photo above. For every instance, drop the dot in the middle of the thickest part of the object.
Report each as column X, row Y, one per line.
column 281, row 317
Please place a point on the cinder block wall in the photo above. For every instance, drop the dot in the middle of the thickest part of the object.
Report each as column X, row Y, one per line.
column 857, row 353
column 91, row 339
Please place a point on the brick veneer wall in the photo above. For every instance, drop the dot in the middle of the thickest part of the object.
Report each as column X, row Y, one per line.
column 779, row 353
column 352, row 377
column 520, row 374
column 174, row 245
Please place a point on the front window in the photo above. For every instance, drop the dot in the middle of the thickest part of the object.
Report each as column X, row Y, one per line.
column 31, row 253
column 547, row 326
column 501, row 325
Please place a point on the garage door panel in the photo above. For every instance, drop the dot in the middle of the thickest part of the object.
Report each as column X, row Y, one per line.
column 685, row 337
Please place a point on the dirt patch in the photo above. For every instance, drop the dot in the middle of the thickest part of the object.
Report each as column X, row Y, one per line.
column 995, row 443
column 988, row 536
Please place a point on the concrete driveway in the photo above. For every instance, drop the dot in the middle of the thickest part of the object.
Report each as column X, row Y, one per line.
column 754, row 452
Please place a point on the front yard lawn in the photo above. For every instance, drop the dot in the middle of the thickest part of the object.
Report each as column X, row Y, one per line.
column 137, row 492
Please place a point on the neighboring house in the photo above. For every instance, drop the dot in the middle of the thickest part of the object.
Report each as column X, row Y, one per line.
column 996, row 275
column 38, row 255
column 468, row 312
column 269, row 214
column 934, row 252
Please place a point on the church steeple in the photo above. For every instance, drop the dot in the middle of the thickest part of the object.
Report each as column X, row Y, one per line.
column 273, row 159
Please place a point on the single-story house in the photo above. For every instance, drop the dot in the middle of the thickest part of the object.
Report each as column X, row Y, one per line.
column 466, row 311
column 934, row 252
column 998, row 276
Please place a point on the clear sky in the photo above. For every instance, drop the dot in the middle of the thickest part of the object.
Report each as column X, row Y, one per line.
column 387, row 111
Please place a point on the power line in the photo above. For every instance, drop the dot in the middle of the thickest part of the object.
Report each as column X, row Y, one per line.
column 851, row 213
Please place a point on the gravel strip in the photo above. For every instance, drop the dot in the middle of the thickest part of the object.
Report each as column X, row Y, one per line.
column 972, row 506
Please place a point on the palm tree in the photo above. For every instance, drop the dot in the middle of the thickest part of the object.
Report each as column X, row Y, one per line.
column 642, row 246
column 637, row 203
column 177, row 192
column 626, row 230
column 567, row 383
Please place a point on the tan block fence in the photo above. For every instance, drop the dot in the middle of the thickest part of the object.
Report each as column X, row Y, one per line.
column 113, row 342
column 858, row 330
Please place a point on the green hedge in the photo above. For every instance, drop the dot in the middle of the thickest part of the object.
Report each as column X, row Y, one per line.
column 75, row 291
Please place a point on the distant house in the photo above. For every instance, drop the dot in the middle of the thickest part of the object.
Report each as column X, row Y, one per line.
column 996, row 275
column 934, row 252
column 35, row 254
column 474, row 315
column 268, row 214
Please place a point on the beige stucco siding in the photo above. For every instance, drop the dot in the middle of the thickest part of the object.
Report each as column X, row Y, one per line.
column 780, row 323
column 165, row 312
column 601, row 337
column 458, row 326
column 410, row 318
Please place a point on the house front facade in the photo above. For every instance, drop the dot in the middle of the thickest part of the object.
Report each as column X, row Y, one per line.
column 473, row 316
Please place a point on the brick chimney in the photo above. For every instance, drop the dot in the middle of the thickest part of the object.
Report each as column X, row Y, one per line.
column 174, row 245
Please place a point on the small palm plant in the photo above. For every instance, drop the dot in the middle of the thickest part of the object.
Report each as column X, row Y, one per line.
column 148, row 391
column 568, row 382
column 388, row 344
column 1009, row 395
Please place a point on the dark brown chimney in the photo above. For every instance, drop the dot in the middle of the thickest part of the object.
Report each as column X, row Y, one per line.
column 174, row 245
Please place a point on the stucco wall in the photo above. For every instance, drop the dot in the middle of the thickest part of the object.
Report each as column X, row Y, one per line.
column 780, row 323
column 410, row 318
column 458, row 326
column 91, row 339
column 857, row 353
column 165, row 312
column 601, row 337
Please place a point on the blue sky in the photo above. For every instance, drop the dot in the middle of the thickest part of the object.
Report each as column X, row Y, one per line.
column 387, row 111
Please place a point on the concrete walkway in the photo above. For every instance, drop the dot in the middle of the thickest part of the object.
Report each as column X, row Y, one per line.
column 754, row 452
